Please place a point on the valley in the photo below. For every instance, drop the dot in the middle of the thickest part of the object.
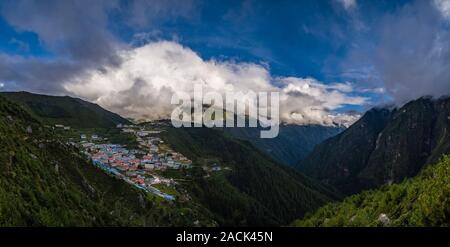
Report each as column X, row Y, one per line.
column 224, row 123
column 201, row 170
column 216, row 177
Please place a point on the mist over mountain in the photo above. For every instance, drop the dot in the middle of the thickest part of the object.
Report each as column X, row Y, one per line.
column 142, row 86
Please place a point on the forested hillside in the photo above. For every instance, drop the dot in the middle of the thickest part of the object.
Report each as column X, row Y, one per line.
column 420, row 201
column 44, row 182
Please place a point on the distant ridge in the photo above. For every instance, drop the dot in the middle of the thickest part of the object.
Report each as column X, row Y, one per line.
column 293, row 143
column 65, row 110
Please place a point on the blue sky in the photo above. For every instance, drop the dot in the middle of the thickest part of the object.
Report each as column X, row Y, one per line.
column 299, row 38
column 332, row 41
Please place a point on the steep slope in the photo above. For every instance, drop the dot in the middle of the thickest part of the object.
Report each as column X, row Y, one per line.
column 252, row 189
column 44, row 182
column 292, row 144
column 65, row 110
column 339, row 160
column 421, row 201
column 383, row 147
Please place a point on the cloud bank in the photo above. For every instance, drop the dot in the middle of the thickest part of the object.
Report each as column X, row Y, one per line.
column 76, row 34
column 410, row 51
column 405, row 54
column 143, row 84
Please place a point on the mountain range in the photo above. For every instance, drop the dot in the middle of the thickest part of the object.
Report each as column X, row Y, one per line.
column 49, row 182
column 292, row 144
column 389, row 163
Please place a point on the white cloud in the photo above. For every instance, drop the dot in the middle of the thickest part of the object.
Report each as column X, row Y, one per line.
column 444, row 7
column 142, row 86
column 348, row 4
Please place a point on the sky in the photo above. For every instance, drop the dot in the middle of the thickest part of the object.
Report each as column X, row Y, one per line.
column 327, row 58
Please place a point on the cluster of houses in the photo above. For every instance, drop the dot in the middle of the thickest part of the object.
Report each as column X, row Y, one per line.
column 137, row 166
column 158, row 156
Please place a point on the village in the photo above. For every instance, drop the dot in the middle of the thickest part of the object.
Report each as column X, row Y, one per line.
column 140, row 167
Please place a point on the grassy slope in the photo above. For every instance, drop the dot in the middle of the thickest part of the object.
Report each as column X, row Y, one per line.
column 420, row 201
